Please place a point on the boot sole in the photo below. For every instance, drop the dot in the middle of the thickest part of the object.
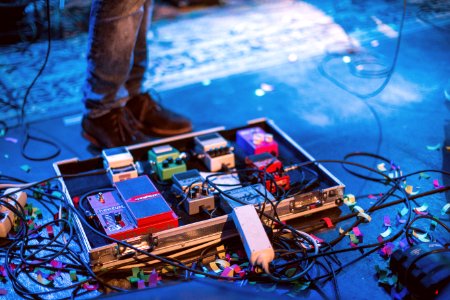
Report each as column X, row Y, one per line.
column 163, row 132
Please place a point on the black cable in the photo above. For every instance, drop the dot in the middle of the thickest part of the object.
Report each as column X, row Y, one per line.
column 27, row 136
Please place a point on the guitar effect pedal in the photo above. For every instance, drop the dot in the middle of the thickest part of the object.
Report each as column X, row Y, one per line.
column 255, row 141
column 215, row 151
column 270, row 164
column 119, row 163
column 197, row 195
column 7, row 217
column 168, row 161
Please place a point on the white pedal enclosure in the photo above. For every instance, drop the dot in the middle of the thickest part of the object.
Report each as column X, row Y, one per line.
column 7, row 217
column 256, row 243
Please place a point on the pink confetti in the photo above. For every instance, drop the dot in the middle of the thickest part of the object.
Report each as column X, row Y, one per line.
column 227, row 272
column 420, row 213
column 3, row 271
column 436, row 184
column 12, row 140
column 3, row 292
column 57, row 264
column 380, row 239
column 357, row 232
column 387, row 249
column 90, row 287
column 387, row 221
column 372, row 197
column 353, row 245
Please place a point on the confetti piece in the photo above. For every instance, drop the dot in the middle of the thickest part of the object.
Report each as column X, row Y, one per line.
column 214, row 267
column 356, row 231
column 409, row 190
column 423, row 175
column 387, row 250
column 400, row 220
column 445, row 209
column 387, row 221
column 403, row 244
column 421, row 237
column 436, row 184
column 386, row 233
column 42, row 280
column 380, row 239
column 3, row 292
column 424, row 207
column 25, row 168
column 73, row 275
column 221, row 251
column 381, row 167
column 90, row 287
column 404, row 211
column 341, row 231
column 227, row 272
column 434, row 147
column 12, row 140
column 222, row 263
column 328, row 222
column 353, row 238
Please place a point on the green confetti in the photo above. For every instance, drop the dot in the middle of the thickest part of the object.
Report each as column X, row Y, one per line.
column 434, row 147
column 26, row 168
column 2, row 132
column 423, row 175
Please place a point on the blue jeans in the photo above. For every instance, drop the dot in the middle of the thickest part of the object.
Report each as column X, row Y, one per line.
column 117, row 53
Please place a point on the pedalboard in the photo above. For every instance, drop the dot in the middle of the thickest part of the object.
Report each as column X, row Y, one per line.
column 7, row 217
column 181, row 210
column 254, row 140
column 215, row 151
column 168, row 161
column 119, row 164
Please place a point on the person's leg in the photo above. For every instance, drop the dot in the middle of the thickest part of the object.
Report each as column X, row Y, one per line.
column 113, row 29
column 140, row 54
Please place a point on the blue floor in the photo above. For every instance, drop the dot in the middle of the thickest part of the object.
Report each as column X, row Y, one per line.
column 408, row 122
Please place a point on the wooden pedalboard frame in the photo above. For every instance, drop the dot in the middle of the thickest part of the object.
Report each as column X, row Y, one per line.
column 103, row 254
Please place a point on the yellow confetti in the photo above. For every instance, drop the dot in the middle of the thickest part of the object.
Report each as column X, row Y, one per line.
column 381, row 167
column 214, row 267
column 221, row 251
column 409, row 190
